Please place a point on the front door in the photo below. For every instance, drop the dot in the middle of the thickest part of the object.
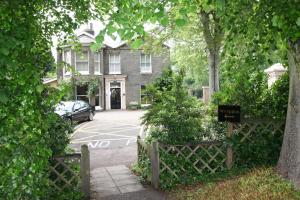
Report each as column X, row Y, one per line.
column 115, row 98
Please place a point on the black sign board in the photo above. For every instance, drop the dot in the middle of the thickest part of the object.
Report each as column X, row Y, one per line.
column 229, row 113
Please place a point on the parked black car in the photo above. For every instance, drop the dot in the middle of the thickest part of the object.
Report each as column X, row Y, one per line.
column 75, row 110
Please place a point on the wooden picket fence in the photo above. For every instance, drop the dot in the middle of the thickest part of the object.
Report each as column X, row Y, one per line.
column 206, row 157
column 64, row 172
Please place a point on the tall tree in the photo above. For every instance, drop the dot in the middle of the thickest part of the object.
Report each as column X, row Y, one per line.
column 127, row 18
column 188, row 49
column 276, row 22
column 213, row 34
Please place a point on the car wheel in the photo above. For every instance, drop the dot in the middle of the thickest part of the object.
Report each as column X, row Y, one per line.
column 91, row 116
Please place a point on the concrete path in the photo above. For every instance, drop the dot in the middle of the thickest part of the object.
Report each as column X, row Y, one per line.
column 118, row 182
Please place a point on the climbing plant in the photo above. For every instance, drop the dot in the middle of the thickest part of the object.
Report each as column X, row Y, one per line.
column 92, row 85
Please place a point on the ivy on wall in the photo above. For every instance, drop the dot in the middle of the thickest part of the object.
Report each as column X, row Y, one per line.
column 92, row 85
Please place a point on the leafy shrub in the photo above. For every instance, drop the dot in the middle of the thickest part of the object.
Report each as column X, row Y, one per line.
column 263, row 148
column 250, row 91
column 175, row 115
column 246, row 89
column 66, row 88
column 275, row 100
column 165, row 82
column 260, row 102
column 59, row 132
column 143, row 168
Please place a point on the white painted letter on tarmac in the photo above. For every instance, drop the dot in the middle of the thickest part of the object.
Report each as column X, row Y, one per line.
column 104, row 144
column 93, row 145
column 130, row 141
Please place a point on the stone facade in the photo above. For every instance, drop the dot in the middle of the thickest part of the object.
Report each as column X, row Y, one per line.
column 124, row 86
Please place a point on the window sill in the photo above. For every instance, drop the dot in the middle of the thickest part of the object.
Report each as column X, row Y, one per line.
column 83, row 72
column 116, row 73
column 146, row 72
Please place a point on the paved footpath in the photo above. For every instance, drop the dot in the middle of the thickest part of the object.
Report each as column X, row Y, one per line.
column 111, row 139
column 118, row 183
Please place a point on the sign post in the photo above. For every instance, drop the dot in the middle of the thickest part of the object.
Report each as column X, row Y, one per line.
column 229, row 113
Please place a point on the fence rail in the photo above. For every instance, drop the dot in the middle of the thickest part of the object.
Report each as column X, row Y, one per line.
column 251, row 127
column 71, row 170
column 205, row 157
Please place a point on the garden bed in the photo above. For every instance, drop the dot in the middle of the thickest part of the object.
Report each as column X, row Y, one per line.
column 261, row 183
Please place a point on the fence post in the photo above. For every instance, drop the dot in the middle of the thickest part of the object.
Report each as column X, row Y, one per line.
column 229, row 152
column 155, row 165
column 85, row 171
column 138, row 148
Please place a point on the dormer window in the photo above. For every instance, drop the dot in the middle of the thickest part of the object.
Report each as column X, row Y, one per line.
column 82, row 62
column 114, row 64
column 146, row 66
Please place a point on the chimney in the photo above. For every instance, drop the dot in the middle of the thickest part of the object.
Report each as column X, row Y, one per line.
column 90, row 29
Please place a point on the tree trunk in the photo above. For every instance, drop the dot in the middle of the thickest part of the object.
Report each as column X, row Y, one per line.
column 213, row 60
column 289, row 160
column 213, row 35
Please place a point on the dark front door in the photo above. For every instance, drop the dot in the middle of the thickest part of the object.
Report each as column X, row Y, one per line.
column 115, row 98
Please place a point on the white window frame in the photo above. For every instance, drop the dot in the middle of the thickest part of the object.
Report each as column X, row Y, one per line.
column 113, row 65
column 65, row 71
column 97, row 63
column 147, row 103
column 88, row 64
column 141, row 63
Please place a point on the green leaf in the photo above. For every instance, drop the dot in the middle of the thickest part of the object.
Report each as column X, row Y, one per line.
column 275, row 20
column 298, row 21
column 99, row 38
column 3, row 97
column 220, row 5
column 164, row 21
column 4, row 51
column 137, row 43
column 207, row 7
column 180, row 22
column 183, row 11
column 39, row 88
column 96, row 46
column 111, row 30
column 140, row 29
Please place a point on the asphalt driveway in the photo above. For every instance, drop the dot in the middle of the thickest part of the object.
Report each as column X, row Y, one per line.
column 111, row 137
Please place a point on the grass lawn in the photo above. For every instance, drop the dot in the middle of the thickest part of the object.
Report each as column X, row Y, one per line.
column 258, row 184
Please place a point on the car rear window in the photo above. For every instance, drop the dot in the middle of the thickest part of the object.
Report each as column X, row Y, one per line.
column 65, row 106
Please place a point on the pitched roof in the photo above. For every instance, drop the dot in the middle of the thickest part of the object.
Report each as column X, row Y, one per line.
column 48, row 80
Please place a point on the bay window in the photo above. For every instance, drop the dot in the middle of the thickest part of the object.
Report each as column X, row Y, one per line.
column 82, row 62
column 97, row 63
